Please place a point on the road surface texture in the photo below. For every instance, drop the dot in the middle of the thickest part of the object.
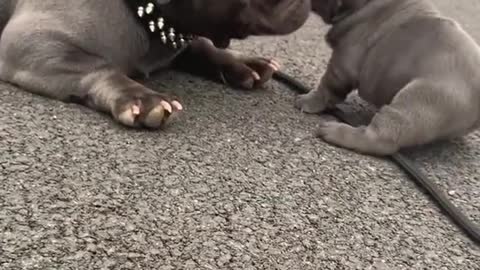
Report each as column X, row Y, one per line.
column 239, row 182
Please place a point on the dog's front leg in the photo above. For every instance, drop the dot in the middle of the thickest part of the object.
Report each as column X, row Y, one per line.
column 203, row 58
column 64, row 72
column 334, row 86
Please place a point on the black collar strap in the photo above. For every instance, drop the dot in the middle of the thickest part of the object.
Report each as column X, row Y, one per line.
column 149, row 14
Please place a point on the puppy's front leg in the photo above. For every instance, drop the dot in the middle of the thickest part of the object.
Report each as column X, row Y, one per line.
column 203, row 58
column 334, row 86
column 422, row 112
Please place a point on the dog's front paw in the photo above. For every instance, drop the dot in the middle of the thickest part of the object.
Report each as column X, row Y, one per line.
column 249, row 72
column 145, row 109
column 310, row 103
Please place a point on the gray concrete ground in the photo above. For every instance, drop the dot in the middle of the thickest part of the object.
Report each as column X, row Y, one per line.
column 238, row 183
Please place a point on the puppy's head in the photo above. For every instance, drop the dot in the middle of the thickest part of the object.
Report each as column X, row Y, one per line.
column 222, row 20
column 332, row 11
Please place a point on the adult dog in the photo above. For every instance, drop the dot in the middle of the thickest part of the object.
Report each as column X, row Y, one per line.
column 88, row 50
column 418, row 67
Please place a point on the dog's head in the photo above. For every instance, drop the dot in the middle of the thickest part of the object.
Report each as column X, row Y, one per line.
column 222, row 20
column 332, row 11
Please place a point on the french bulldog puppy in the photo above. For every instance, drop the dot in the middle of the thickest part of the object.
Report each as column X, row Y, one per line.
column 87, row 51
column 419, row 68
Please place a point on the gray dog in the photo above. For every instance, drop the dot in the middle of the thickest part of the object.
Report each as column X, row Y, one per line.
column 88, row 51
column 419, row 68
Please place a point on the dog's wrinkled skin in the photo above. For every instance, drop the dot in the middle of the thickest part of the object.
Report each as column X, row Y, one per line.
column 88, row 50
column 419, row 68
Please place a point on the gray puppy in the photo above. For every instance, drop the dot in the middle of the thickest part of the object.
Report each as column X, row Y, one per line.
column 87, row 51
column 419, row 68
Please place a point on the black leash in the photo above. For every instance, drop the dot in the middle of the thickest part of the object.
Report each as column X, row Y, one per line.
column 471, row 229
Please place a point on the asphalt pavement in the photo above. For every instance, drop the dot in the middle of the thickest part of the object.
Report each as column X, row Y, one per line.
column 239, row 182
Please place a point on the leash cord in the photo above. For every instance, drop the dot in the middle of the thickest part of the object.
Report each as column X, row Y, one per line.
column 403, row 162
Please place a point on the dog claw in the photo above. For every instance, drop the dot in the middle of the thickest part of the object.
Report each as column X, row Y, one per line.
column 275, row 68
column 129, row 116
column 256, row 76
column 135, row 110
column 177, row 105
column 166, row 106
column 274, row 65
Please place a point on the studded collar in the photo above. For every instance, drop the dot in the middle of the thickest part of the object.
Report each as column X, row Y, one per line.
column 149, row 15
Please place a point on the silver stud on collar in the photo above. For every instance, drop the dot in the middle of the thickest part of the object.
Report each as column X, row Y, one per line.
column 171, row 34
column 172, row 38
column 140, row 11
column 150, row 7
column 151, row 26
column 163, row 37
column 160, row 23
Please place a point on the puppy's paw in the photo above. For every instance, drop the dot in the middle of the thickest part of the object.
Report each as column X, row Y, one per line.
column 360, row 139
column 310, row 103
column 150, row 110
column 328, row 130
column 340, row 134
column 249, row 72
